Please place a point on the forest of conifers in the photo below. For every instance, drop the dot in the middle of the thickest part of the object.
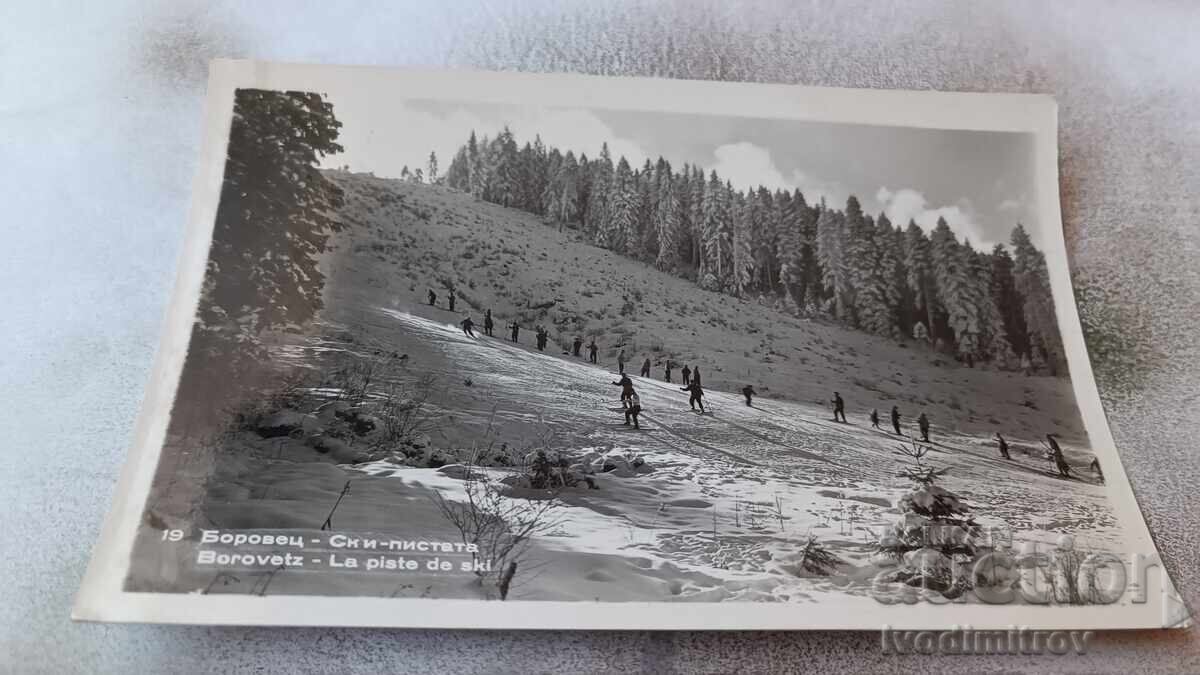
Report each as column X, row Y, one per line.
column 773, row 246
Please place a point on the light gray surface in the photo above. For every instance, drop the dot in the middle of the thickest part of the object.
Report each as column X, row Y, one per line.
column 99, row 126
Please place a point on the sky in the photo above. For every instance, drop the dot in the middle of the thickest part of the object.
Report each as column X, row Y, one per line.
column 980, row 182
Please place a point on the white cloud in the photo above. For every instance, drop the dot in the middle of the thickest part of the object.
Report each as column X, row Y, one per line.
column 747, row 165
column 1009, row 205
column 907, row 204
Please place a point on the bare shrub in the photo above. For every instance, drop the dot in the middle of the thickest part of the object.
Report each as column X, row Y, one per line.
column 402, row 410
column 501, row 527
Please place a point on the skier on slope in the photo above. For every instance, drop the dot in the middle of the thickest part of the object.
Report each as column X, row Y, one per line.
column 874, row 418
column 1003, row 446
column 542, row 336
column 839, row 407
column 592, row 349
column 626, row 386
column 687, row 375
column 576, row 345
column 896, row 420
column 488, row 324
column 432, row 298
column 696, row 375
column 451, row 299
column 923, row 425
column 621, row 362
column 516, row 331
column 1060, row 462
column 467, row 324
column 697, row 393
column 667, row 370
column 749, row 393
column 633, row 408
column 646, row 367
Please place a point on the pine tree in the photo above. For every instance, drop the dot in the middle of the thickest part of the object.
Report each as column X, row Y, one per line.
column 1032, row 280
column 459, row 172
column 667, row 220
column 876, row 298
column 598, row 194
column 995, row 344
column 1007, row 301
column 743, row 254
column 918, row 258
column 858, row 254
column 504, row 171
column 619, row 230
column 646, row 225
column 476, row 180
column 831, row 239
column 696, row 208
column 766, row 235
column 952, row 283
column 432, row 169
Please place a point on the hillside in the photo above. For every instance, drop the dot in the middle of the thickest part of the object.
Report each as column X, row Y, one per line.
column 406, row 238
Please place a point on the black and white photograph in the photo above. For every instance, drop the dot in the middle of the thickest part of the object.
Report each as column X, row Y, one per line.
column 478, row 346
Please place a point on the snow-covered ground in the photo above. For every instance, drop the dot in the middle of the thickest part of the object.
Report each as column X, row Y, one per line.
column 730, row 496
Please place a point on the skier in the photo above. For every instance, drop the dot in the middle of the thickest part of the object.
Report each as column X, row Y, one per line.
column 542, row 337
column 621, row 362
column 577, row 345
column 1003, row 446
column 667, row 369
column 839, row 407
column 896, row 420
column 687, row 375
column 451, row 294
column 626, row 386
column 592, row 349
column 696, row 375
column 1064, row 469
column 516, row 331
column 923, row 424
column 488, row 324
column 633, row 408
column 874, row 418
column 467, row 324
column 697, row 395
column 432, row 298
column 748, row 392
column 646, row 368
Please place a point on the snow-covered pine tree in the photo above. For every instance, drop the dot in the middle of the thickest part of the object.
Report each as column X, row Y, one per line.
column 667, row 220
column 619, row 231
column 905, row 312
column 459, row 172
column 876, row 301
column 646, row 224
column 504, row 186
column 950, row 279
column 743, row 253
column 994, row 344
column 766, row 228
column 476, row 178
column 1008, row 302
column 858, row 253
column 918, row 260
column 713, row 226
column 789, row 245
column 599, row 186
column 697, row 189
column 831, row 239
column 1032, row 279
column 935, row 532
column 405, row 174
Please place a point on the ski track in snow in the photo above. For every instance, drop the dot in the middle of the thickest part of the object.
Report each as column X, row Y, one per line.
column 731, row 493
